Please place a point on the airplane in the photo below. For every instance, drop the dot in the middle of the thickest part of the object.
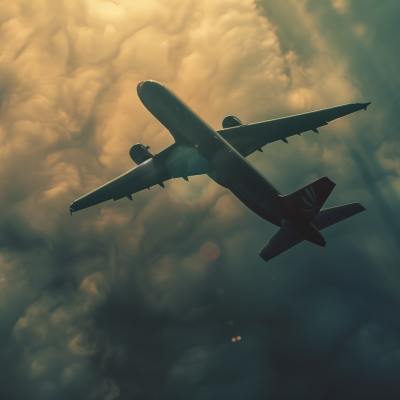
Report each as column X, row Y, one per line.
column 221, row 154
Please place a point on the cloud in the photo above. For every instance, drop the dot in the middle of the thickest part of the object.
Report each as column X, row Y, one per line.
column 120, row 301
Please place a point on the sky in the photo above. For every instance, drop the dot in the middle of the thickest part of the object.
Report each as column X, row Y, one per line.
column 142, row 299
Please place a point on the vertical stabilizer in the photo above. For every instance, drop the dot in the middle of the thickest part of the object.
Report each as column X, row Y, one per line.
column 306, row 202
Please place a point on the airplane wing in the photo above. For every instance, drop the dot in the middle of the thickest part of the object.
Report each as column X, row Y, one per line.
column 246, row 139
column 176, row 161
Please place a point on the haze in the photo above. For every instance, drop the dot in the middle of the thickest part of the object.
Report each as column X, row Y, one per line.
column 143, row 299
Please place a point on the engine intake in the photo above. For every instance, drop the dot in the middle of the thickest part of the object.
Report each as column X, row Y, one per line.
column 230, row 121
column 139, row 153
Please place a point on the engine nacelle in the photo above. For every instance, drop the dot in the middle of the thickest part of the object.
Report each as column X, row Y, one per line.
column 139, row 153
column 230, row 121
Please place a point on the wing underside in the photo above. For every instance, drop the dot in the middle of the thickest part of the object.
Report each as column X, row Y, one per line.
column 180, row 161
column 176, row 161
column 246, row 139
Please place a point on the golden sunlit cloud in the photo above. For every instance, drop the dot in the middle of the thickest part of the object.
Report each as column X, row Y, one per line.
column 69, row 114
column 341, row 6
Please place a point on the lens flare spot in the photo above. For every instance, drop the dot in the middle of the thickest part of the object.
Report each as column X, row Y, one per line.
column 239, row 338
column 233, row 339
column 209, row 251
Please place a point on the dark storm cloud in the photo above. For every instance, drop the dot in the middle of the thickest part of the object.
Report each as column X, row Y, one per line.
column 117, row 302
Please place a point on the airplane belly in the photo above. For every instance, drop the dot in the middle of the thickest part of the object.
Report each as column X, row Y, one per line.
column 255, row 193
column 232, row 170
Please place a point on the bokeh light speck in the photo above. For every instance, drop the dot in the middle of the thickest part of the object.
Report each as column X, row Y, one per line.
column 209, row 251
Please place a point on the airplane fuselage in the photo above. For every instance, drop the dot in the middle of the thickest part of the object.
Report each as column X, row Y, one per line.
column 199, row 149
column 227, row 166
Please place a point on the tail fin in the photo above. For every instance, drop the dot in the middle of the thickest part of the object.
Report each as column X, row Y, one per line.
column 288, row 236
column 307, row 202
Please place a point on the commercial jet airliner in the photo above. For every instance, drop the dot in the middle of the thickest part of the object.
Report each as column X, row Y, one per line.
column 221, row 154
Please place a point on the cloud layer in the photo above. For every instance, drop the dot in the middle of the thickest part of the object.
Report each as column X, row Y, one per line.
column 141, row 299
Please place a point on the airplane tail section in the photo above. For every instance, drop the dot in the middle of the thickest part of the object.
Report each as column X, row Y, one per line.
column 288, row 236
column 307, row 202
column 330, row 216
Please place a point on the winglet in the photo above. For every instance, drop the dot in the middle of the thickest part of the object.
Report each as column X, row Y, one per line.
column 365, row 105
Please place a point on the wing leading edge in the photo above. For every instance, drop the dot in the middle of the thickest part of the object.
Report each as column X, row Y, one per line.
column 246, row 139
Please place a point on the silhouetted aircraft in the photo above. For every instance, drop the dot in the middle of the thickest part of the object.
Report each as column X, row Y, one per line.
column 199, row 149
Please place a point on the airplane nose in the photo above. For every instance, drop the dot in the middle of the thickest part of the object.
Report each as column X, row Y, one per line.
column 146, row 86
column 139, row 87
column 144, row 90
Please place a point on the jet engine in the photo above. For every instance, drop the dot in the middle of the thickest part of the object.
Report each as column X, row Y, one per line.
column 230, row 121
column 139, row 153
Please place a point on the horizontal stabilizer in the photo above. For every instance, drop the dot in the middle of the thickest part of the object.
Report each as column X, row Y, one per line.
column 288, row 236
column 330, row 216
column 284, row 239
